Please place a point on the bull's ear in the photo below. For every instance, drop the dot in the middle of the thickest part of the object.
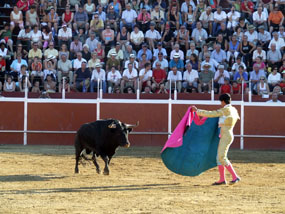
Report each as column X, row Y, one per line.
column 112, row 126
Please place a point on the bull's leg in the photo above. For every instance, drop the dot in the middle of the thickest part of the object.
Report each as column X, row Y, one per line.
column 77, row 157
column 106, row 169
column 98, row 170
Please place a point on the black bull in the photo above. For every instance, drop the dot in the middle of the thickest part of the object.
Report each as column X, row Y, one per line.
column 102, row 137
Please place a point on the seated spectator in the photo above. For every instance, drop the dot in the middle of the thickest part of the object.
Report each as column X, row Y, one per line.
column 123, row 37
column 176, row 51
column 144, row 19
column 163, row 62
column 80, row 19
column 100, row 52
column 37, row 71
column 113, row 62
column 206, row 19
column 64, row 68
column 273, row 56
column 129, row 50
column 36, row 36
column 23, row 72
column 64, row 84
column 147, row 90
column 205, row 79
column 199, row 35
column 23, row 84
column 133, row 61
column 191, row 51
column 219, row 54
column 262, row 87
column 145, row 50
column 220, row 16
column 81, row 79
column 255, row 76
column 274, row 98
column 274, row 78
column 226, row 33
column 183, row 38
column 119, row 52
column 32, row 17
column 158, row 76
column 247, row 8
column 226, row 87
column 129, row 77
column 235, row 67
column 159, row 49
column 174, row 80
column 264, row 38
column 158, row 17
column 233, row 18
column 236, row 89
column 98, row 76
column 15, row 67
column 259, row 17
column 246, row 48
column 117, row 7
column 96, row 25
column 101, row 13
column 174, row 16
column 2, row 69
column 232, row 52
column 241, row 74
column 34, row 52
column 145, row 76
column 49, row 69
column 259, row 54
column 143, row 61
column 279, row 42
column 190, row 79
column 53, row 20
column 162, row 89
column 64, row 35
column 219, row 78
column 275, row 19
column 137, row 38
column 21, row 51
column 112, row 18
column 89, row 7
column 128, row 18
column 251, row 34
column 167, row 37
column 153, row 36
column 47, row 36
column 176, row 62
column 86, row 53
column 75, row 47
column 67, row 17
column 24, row 37
column 194, row 62
column 3, row 50
column 113, row 78
column 108, row 38
column 259, row 62
column 16, row 18
column 281, row 33
column 49, row 84
column 93, row 61
column 78, row 61
column 51, row 52
column 9, row 85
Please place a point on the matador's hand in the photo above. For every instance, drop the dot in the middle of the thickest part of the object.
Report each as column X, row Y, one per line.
column 194, row 108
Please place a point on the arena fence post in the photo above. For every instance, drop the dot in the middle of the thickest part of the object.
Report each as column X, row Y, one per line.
column 169, row 116
column 249, row 92
column 26, row 113
column 241, row 125
column 138, row 89
column 63, row 88
column 212, row 91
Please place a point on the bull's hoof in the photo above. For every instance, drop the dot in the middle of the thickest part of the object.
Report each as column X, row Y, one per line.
column 98, row 171
column 106, row 172
column 76, row 171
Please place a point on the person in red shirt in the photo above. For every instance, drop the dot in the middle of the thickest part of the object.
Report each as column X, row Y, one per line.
column 24, row 5
column 247, row 8
column 158, row 76
column 226, row 87
column 2, row 68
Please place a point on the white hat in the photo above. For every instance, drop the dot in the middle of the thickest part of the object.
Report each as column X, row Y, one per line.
column 207, row 64
column 132, row 56
column 114, row 54
column 221, row 66
column 176, row 55
column 85, row 45
column 50, row 57
column 98, row 65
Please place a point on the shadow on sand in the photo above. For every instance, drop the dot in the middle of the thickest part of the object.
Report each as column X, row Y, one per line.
column 27, row 177
column 94, row 189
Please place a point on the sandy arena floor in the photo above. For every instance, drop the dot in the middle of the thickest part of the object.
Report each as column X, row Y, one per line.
column 41, row 179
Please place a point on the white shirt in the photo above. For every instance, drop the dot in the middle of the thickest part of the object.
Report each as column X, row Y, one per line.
column 135, row 64
column 101, row 75
column 136, row 36
column 77, row 63
column 256, row 17
column 36, row 36
column 235, row 66
column 190, row 77
column 164, row 63
column 235, row 16
column 129, row 16
column 153, row 34
column 66, row 34
column 205, row 17
column 129, row 74
column 279, row 43
column 221, row 16
column 213, row 64
column 156, row 51
column 180, row 52
column 251, row 37
column 274, row 78
column 23, row 34
column 222, row 79
column 114, row 77
column 256, row 54
column 184, row 6
column 145, row 76
column 173, row 77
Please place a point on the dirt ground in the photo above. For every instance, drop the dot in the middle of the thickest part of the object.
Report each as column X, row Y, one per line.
column 41, row 179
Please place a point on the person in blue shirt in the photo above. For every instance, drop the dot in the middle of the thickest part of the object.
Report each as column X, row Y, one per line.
column 176, row 62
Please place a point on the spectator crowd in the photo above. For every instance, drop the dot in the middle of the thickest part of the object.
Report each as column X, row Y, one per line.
column 151, row 45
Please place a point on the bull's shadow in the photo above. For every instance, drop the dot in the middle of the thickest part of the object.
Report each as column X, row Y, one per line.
column 28, row 177
column 95, row 189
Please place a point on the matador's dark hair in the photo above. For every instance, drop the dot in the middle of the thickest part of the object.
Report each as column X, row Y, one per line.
column 226, row 98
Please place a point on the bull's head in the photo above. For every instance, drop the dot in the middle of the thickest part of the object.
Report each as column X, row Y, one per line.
column 121, row 131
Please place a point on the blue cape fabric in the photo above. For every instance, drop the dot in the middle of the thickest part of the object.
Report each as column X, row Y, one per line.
column 198, row 151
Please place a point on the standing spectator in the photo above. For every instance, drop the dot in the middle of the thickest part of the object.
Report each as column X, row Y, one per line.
column 220, row 16
column 145, row 76
column 129, row 17
column 81, row 20
column 129, row 78
column 158, row 76
column 174, row 79
column 275, row 19
column 64, row 68
column 114, row 78
column 190, row 79
column 98, row 75
column 205, row 79
column 81, row 79
column 64, row 35
column 16, row 18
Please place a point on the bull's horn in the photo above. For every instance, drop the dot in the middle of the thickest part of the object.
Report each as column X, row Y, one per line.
column 132, row 126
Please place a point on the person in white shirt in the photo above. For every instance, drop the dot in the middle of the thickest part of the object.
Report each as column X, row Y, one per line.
column 274, row 98
column 251, row 34
column 259, row 53
column 190, row 78
column 177, row 51
column 163, row 62
column 133, row 61
column 207, row 18
column 36, row 36
column 233, row 18
column 98, row 74
column 259, row 17
column 185, row 5
column 264, row 37
column 159, row 49
column 64, row 35
column 152, row 36
column 219, row 17
column 137, row 38
column 219, row 78
column 174, row 78
column 113, row 78
column 129, row 78
column 274, row 78
column 235, row 67
column 279, row 42
column 145, row 76
column 78, row 61
column 212, row 62
column 129, row 17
